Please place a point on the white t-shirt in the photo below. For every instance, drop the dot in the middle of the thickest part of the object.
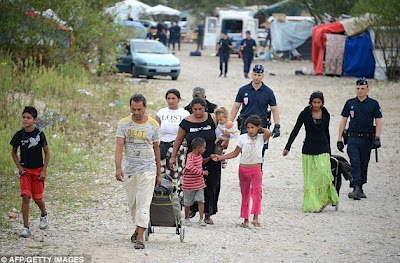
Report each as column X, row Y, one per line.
column 251, row 150
column 170, row 120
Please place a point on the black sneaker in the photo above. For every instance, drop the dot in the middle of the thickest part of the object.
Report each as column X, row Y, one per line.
column 220, row 74
column 362, row 194
column 356, row 194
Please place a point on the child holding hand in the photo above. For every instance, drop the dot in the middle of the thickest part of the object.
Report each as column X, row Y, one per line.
column 193, row 182
column 250, row 144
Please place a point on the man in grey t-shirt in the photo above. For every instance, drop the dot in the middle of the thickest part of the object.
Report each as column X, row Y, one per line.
column 138, row 135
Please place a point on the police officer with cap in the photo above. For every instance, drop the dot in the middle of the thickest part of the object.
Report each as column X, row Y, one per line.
column 255, row 98
column 362, row 135
column 246, row 51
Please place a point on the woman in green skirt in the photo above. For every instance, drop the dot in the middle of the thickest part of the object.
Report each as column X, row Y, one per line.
column 318, row 188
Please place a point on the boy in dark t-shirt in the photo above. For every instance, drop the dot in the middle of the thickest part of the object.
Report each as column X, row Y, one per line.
column 31, row 167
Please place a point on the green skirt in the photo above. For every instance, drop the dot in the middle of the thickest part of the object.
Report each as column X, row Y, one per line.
column 318, row 188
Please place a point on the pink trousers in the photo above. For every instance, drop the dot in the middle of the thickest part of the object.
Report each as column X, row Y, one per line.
column 250, row 179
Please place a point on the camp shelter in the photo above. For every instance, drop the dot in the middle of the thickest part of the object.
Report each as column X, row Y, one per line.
column 292, row 32
column 355, row 56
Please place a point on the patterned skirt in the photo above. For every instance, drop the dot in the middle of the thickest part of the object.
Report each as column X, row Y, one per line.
column 175, row 173
column 318, row 187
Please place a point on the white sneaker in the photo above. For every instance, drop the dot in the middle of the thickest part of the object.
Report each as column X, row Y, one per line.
column 43, row 222
column 187, row 222
column 202, row 223
column 25, row 232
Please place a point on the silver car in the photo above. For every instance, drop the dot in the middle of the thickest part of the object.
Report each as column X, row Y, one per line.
column 149, row 58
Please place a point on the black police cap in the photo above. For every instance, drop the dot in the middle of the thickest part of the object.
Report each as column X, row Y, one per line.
column 362, row 81
column 258, row 68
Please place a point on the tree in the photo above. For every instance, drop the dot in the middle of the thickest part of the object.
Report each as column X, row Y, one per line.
column 332, row 8
column 28, row 29
column 385, row 19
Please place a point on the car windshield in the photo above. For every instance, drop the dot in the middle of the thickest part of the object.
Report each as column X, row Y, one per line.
column 149, row 47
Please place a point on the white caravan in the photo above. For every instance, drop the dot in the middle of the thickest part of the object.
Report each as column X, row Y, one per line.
column 235, row 23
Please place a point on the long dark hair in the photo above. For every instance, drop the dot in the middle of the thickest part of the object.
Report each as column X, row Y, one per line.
column 316, row 95
column 173, row 91
column 253, row 119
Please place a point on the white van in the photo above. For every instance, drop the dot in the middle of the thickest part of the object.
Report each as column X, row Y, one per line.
column 235, row 23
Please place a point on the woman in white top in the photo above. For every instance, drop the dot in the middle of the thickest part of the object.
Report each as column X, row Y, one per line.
column 250, row 144
column 169, row 119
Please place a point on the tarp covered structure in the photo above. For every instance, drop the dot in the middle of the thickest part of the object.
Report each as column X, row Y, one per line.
column 128, row 9
column 359, row 59
column 319, row 43
column 163, row 10
column 290, row 34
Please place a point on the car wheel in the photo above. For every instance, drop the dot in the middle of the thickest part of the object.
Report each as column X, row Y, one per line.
column 133, row 72
column 174, row 78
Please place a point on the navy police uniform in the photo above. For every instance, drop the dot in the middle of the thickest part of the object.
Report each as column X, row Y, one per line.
column 361, row 135
column 224, row 52
column 247, row 53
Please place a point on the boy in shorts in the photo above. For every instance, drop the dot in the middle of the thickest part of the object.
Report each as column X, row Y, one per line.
column 31, row 168
column 193, row 182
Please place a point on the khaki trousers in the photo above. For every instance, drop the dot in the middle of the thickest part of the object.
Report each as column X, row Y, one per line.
column 139, row 190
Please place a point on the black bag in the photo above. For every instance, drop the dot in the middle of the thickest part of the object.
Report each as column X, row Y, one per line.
column 195, row 53
column 164, row 146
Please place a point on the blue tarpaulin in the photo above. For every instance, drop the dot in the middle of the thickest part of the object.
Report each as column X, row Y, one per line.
column 359, row 59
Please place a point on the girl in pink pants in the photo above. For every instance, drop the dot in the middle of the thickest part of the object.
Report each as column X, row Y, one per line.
column 250, row 144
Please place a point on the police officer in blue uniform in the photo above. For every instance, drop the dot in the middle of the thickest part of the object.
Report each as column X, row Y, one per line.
column 246, row 51
column 255, row 98
column 224, row 48
column 362, row 135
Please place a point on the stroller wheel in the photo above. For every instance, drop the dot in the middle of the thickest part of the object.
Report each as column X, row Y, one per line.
column 147, row 233
column 182, row 234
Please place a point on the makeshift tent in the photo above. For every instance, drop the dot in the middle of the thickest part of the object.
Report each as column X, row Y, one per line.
column 319, row 43
column 292, row 33
column 359, row 59
column 128, row 9
column 162, row 10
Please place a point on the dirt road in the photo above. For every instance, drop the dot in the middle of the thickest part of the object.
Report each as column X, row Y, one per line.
column 361, row 231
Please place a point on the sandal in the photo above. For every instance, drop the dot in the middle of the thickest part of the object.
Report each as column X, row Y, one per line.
column 134, row 237
column 192, row 214
column 139, row 245
column 244, row 225
column 256, row 223
column 209, row 221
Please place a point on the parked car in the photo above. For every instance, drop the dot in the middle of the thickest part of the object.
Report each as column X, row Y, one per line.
column 149, row 58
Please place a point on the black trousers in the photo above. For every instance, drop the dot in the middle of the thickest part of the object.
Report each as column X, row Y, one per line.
column 223, row 58
column 211, row 192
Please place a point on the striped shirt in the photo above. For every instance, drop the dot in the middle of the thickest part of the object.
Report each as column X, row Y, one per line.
column 193, row 173
column 138, row 144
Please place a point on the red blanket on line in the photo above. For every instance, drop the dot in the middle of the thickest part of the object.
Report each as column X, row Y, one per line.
column 319, row 42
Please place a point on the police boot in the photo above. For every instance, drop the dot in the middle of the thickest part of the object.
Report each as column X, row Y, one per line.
column 356, row 194
column 362, row 195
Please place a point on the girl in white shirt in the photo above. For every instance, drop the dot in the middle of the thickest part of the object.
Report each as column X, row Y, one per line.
column 250, row 144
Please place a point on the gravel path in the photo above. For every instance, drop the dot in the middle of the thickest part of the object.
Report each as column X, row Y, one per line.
column 361, row 231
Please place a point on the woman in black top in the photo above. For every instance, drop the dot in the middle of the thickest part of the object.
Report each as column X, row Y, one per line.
column 318, row 188
column 201, row 124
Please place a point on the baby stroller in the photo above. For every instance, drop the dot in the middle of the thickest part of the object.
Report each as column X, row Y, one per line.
column 340, row 167
column 165, row 208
